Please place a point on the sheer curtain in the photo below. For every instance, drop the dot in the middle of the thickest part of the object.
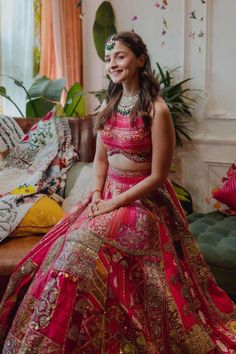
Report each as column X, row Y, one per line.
column 61, row 40
column 17, row 42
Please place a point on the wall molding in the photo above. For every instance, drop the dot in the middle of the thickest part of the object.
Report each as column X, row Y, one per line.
column 213, row 141
column 211, row 115
column 208, row 49
column 214, row 163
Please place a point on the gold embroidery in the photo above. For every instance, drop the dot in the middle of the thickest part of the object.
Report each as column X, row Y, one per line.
column 27, row 268
column 79, row 254
column 198, row 341
column 52, row 254
column 34, row 343
column 44, row 308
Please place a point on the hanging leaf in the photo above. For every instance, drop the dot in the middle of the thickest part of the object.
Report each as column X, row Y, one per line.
column 49, row 89
column 103, row 27
column 42, row 106
column 3, row 91
column 75, row 102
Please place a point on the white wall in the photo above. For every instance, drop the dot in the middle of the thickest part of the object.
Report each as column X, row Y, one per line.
column 209, row 60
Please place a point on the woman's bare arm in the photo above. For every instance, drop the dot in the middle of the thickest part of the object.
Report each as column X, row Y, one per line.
column 100, row 166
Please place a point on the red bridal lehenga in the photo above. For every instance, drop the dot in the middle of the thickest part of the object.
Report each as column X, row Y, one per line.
column 130, row 281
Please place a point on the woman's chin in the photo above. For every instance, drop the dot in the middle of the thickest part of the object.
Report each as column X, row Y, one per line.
column 117, row 80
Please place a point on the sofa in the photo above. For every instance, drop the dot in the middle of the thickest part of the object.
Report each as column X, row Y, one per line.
column 215, row 234
column 13, row 249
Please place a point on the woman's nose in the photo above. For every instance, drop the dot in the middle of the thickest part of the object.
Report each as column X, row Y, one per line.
column 113, row 63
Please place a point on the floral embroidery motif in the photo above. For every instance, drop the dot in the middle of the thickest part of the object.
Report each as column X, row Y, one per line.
column 43, row 310
column 80, row 253
column 52, row 254
column 26, row 269
column 132, row 139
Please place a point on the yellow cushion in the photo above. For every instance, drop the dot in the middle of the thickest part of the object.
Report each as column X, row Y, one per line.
column 41, row 217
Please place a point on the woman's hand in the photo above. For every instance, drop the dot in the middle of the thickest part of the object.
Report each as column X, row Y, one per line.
column 97, row 196
column 103, row 207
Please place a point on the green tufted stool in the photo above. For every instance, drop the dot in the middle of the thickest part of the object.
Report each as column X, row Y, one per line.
column 216, row 236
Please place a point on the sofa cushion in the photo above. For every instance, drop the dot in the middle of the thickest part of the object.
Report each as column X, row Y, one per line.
column 79, row 183
column 215, row 233
column 41, row 217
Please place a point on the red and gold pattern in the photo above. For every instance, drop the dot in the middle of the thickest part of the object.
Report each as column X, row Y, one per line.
column 122, row 136
column 131, row 281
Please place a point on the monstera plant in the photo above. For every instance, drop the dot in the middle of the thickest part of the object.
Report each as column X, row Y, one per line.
column 45, row 94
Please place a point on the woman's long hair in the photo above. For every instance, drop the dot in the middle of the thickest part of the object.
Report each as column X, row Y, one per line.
column 149, row 85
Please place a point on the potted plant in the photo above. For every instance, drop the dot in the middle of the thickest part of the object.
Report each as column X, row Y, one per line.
column 44, row 94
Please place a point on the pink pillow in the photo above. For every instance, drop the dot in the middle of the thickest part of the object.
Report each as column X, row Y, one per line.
column 227, row 193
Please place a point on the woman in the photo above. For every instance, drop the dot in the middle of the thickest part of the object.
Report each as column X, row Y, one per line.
column 121, row 273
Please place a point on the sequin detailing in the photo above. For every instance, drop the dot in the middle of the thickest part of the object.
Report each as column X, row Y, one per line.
column 133, row 140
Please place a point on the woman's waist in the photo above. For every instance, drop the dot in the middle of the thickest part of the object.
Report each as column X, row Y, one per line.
column 127, row 176
column 122, row 162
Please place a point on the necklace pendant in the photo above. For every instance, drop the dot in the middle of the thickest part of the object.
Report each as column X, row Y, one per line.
column 127, row 102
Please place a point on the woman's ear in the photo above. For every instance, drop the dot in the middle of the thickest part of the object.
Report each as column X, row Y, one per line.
column 141, row 60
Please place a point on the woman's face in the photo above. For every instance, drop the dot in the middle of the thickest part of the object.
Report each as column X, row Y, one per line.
column 121, row 63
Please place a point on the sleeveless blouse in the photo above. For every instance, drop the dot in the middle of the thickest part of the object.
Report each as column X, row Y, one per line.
column 132, row 139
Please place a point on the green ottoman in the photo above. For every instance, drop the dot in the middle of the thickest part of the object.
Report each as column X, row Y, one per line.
column 215, row 234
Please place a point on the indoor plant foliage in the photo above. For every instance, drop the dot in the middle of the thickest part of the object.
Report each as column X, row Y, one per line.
column 103, row 27
column 45, row 94
column 178, row 101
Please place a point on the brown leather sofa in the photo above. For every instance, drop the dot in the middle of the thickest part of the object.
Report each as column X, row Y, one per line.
column 13, row 249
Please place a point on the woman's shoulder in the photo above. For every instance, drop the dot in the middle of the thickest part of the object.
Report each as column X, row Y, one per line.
column 160, row 108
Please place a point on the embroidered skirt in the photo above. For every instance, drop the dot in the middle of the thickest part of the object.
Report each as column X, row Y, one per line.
column 130, row 281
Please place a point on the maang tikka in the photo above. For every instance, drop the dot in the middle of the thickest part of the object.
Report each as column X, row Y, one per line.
column 110, row 43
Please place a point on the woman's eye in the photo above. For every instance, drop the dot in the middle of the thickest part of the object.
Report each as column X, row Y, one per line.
column 107, row 60
column 121, row 57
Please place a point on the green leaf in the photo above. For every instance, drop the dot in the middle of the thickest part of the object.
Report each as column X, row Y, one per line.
column 103, row 27
column 42, row 106
column 75, row 102
column 100, row 95
column 16, row 81
column 3, row 91
column 163, row 77
column 43, row 87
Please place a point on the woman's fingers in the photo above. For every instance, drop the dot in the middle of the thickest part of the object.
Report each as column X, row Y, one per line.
column 103, row 207
column 100, row 207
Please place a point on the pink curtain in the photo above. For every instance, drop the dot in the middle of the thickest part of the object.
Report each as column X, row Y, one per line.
column 61, row 41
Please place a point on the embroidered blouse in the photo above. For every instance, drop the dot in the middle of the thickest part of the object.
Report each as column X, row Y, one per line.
column 133, row 140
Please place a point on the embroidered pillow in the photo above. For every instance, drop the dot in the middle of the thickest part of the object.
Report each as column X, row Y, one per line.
column 80, row 183
column 10, row 133
column 225, row 194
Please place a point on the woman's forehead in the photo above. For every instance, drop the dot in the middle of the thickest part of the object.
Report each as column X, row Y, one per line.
column 115, row 47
